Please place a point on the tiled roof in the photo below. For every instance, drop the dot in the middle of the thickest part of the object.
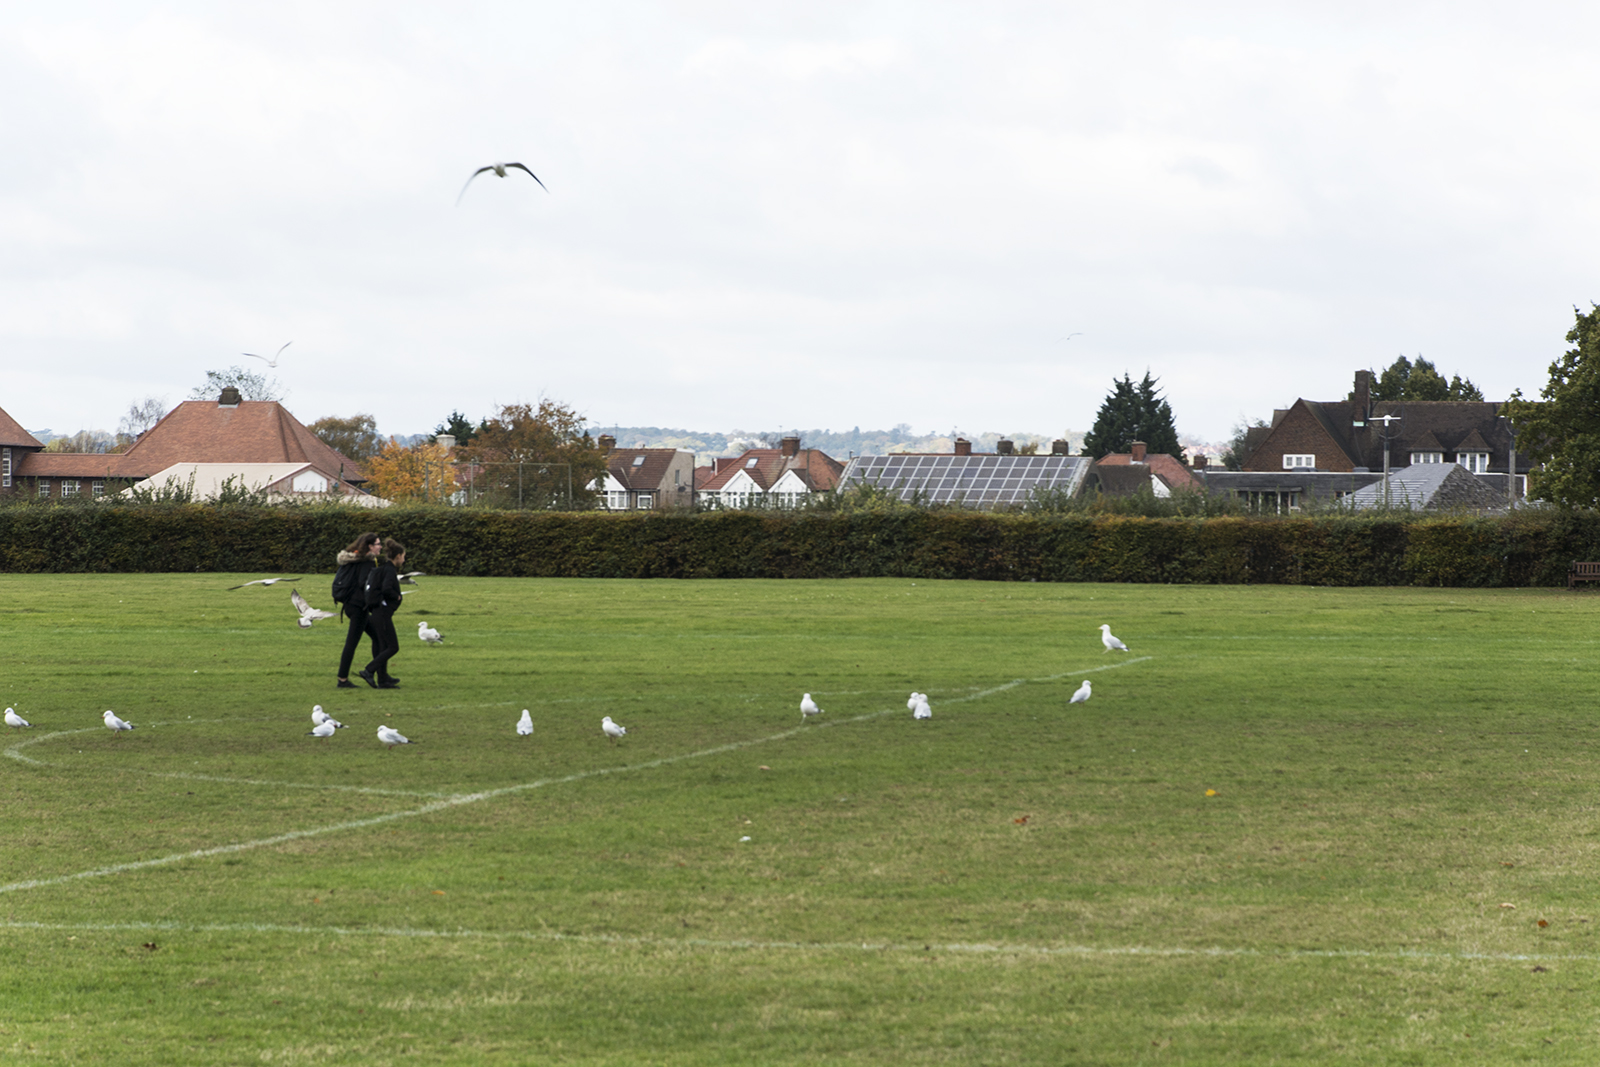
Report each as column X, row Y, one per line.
column 12, row 435
column 646, row 475
column 1429, row 485
column 257, row 431
column 70, row 465
column 1169, row 469
column 818, row 471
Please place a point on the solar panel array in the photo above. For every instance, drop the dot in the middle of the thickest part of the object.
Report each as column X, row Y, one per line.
column 971, row 481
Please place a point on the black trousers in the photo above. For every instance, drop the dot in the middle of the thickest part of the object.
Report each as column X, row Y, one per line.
column 360, row 623
column 384, row 640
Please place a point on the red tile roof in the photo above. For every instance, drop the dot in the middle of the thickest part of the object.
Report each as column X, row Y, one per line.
column 819, row 472
column 12, row 435
column 1169, row 469
column 647, row 476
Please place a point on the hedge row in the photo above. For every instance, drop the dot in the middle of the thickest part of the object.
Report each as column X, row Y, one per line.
column 1530, row 548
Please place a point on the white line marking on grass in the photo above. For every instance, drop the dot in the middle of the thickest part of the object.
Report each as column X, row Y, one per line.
column 955, row 948
column 460, row 800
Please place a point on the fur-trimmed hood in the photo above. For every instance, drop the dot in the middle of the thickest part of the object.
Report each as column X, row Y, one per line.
column 349, row 557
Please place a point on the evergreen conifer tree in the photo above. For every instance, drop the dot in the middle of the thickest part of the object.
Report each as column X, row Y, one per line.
column 1132, row 413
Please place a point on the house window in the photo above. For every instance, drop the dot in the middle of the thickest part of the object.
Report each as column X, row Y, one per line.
column 1476, row 462
column 44, row 486
column 1291, row 462
column 1427, row 457
column 5, row 468
column 751, row 462
column 677, row 477
column 69, row 487
column 638, row 461
column 647, row 500
column 98, row 488
column 617, row 501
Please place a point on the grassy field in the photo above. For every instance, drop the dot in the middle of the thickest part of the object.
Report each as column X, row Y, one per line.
column 1291, row 826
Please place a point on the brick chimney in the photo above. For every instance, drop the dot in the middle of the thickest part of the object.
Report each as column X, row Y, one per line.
column 963, row 447
column 1059, row 447
column 1004, row 447
column 607, row 443
column 1200, row 461
column 1138, row 451
column 229, row 398
column 790, row 447
column 1361, row 398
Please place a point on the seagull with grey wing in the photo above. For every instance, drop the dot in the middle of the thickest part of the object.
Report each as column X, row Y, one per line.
column 273, row 362
column 499, row 170
column 320, row 718
column 262, row 581
column 308, row 614
column 14, row 720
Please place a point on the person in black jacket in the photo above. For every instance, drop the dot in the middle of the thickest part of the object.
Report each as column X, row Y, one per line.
column 359, row 559
column 383, row 600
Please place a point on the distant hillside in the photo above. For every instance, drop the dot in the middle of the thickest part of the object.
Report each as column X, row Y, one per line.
column 840, row 445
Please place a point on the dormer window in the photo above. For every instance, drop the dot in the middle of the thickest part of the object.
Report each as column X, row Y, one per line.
column 1292, row 462
column 1427, row 457
column 1476, row 462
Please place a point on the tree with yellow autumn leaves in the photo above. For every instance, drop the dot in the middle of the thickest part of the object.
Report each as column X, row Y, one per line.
column 421, row 473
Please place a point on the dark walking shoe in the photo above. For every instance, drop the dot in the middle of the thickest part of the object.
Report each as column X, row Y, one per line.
column 345, row 683
column 368, row 677
column 389, row 683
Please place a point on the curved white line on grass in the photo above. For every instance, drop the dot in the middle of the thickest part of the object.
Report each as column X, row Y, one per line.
column 462, row 799
column 955, row 948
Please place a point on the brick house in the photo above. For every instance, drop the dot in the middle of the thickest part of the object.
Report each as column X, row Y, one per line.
column 642, row 479
column 1126, row 473
column 15, row 443
column 225, row 430
column 774, row 477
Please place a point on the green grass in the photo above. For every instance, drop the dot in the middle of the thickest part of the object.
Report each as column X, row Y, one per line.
column 1016, row 881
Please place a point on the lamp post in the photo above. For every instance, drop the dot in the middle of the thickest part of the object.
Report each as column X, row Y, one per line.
column 1386, row 420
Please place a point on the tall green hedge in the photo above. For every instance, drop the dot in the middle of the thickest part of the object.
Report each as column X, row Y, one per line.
column 1529, row 548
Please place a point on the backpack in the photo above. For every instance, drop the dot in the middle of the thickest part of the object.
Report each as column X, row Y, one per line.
column 344, row 583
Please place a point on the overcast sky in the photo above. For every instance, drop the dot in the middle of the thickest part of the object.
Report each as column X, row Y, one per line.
column 812, row 214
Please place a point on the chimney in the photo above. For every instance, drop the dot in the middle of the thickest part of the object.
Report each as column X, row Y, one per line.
column 1138, row 451
column 1361, row 398
column 1004, row 447
column 790, row 447
column 608, row 443
column 229, row 398
column 1200, row 461
column 963, row 447
column 1059, row 447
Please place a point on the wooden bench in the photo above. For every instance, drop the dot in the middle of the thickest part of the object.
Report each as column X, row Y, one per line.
column 1582, row 572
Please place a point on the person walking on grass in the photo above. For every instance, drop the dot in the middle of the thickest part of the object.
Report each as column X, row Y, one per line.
column 383, row 600
column 349, row 592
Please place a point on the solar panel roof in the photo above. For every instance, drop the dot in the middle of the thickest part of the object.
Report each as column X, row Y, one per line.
column 988, row 481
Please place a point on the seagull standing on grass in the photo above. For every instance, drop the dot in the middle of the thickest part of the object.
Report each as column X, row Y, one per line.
column 323, row 729
column 525, row 724
column 392, row 737
column 915, row 699
column 308, row 614
column 808, row 707
column 499, row 172
column 318, row 717
column 13, row 719
column 922, row 711
column 114, row 724
column 1082, row 695
column 613, row 731
column 429, row 634
column 1112, row 644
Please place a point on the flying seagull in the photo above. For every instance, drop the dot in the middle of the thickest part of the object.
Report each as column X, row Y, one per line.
column 114, row 724
column 392, row 737
column 322, row 729
column 808, row 707
column 13, row 719
column 308, row 614
column 405, row 579
column 525, row 724
column 613, row 731
column 429, row 634
column 499, row 172
column 319, row 717
column 1082, row 695
column 273, row 362
column 1111, row 643
column 262, row 581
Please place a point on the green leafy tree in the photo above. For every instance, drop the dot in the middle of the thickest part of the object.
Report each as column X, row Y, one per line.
column 1562, row 432
column 458, row 426
column 251, row 386
column 1132, row 413
column 355, row 437
column 534, row 458
column 1405, row 380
